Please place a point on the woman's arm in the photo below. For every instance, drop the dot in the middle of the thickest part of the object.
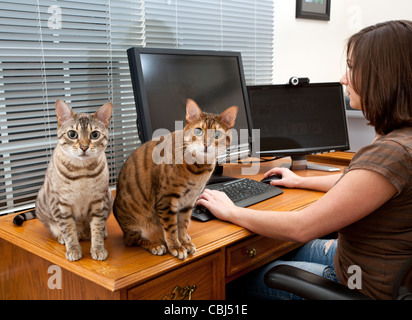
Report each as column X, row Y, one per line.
column 356, row 195
column 291, row 180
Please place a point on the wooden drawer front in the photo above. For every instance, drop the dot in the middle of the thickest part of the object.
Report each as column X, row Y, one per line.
column 254, row 252
column 207, row 274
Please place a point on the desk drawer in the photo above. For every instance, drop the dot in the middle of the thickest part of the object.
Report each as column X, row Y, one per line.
column 205, row 277
column 254, row 252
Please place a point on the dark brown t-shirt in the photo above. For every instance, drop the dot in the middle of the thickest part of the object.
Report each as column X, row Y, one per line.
column 381, row 242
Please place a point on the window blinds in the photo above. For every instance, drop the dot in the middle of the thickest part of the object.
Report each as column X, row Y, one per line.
column 75, row 50
column 233, row 25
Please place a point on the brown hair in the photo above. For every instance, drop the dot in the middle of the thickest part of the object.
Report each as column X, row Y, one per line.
column 381, row 62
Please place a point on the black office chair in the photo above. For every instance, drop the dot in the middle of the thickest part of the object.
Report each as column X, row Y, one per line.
column 313, row 287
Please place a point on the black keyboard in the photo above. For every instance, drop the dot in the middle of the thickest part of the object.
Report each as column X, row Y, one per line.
column 243, row 192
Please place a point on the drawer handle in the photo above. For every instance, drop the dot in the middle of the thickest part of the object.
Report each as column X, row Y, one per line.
column 179, row 293
column 251, row 252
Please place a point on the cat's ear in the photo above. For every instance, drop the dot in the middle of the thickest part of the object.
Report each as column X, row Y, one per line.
column 104, row 113
column 193, row 111
column 63, row 112
column 228, row 116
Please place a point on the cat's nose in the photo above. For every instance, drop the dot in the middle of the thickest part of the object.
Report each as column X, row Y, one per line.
column 84, row 148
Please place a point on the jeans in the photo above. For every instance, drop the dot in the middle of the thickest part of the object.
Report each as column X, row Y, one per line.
column 316, row 256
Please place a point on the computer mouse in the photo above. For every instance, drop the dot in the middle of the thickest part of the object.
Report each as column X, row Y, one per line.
column 270, row 178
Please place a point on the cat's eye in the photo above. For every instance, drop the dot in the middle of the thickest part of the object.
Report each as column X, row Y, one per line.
column 95, row 135
column 217, row 134
column 72, row 134
column 198, row 131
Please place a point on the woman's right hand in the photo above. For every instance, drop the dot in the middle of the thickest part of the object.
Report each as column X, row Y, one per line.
column 289, row 178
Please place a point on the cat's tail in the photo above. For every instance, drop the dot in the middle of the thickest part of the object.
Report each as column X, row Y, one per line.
column 20, row 218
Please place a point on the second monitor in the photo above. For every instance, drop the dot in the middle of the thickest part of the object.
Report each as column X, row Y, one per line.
column 299, row 120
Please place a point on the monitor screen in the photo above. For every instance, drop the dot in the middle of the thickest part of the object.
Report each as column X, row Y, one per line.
column 299, row 120
column 163, row 79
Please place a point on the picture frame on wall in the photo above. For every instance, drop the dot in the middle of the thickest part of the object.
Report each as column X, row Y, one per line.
column 313, row 9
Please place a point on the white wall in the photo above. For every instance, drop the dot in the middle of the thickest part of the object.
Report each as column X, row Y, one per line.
column 316, row 49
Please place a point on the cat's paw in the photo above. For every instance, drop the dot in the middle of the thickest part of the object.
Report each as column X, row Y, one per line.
column 60, row 239
column 99, row 253
column 179, row 252
column 74, row 253
column 158, row 250
column 190, row 247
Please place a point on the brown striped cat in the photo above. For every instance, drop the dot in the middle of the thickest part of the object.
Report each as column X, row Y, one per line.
column 161, row 180
column 75, row 201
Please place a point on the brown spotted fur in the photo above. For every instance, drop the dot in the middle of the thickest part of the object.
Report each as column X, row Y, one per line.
column 154, row 200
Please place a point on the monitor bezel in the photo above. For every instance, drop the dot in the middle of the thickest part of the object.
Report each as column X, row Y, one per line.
column 139, row 89
column 296, row 153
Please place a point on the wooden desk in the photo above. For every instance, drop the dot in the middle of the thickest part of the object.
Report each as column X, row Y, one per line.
column 224, row 252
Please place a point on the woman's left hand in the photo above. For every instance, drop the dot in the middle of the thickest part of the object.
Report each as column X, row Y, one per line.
column 218, row 203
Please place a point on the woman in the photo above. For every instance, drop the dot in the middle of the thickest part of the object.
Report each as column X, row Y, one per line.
column 370, row 204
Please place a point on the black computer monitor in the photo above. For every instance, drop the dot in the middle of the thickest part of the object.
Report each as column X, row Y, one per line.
column 299, row 120
column 163, row 79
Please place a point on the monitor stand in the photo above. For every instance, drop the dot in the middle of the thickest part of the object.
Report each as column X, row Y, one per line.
column 300, row 163
column 217, row 176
